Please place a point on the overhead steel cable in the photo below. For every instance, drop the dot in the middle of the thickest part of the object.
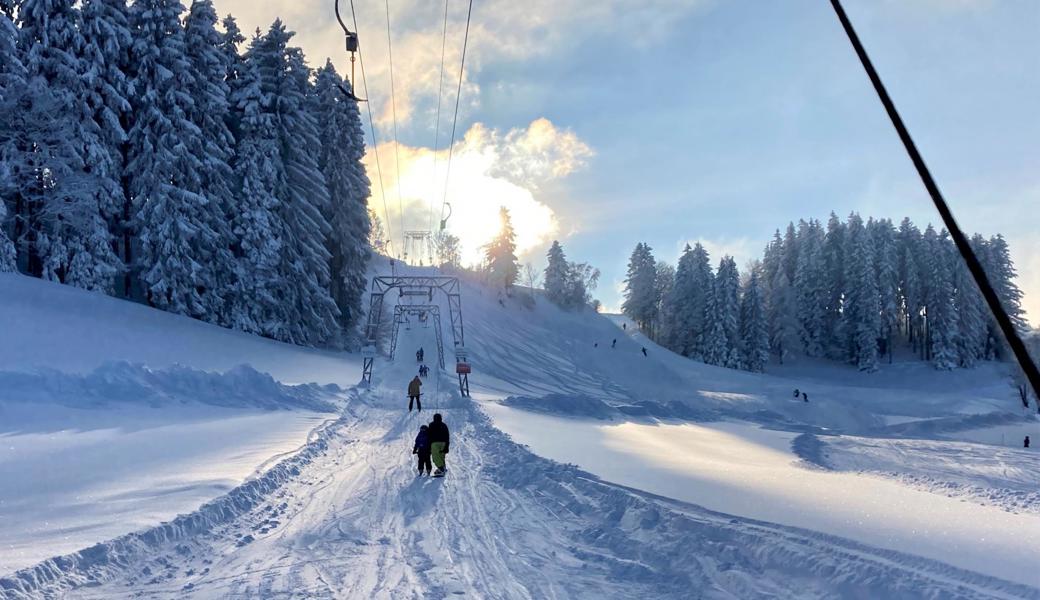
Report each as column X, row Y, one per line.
column 437, row 126
column 458, row 95
column 393, row 106
column 371, row 121
column 1014, row 340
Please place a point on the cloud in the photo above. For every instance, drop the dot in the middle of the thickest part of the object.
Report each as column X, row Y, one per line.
column 501, row 30
column 489, row 169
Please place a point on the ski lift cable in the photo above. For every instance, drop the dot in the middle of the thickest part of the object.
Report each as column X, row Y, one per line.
column 371, row 121
column 393, row 106
column 458, row 95
column 437, row 126
column 1014, row 340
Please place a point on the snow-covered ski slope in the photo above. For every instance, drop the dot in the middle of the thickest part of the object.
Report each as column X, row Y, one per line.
column 345, row 516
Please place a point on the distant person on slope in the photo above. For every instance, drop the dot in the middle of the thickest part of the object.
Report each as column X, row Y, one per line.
column 413, row 393
column 422, row 448
column 614, row 343
column 439, row 439
column 644, row 351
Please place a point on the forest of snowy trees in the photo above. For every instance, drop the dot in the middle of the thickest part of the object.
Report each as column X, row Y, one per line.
column 149, row 154
column 852, row 291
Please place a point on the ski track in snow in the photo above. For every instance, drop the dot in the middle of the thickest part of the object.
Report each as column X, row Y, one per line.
column 346, row 517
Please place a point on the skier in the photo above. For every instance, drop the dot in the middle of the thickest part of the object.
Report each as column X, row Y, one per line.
column 805, row 396
column 797, row 393
column 1025, row 442
column 419, row 355
column 596, row 345
column 624, row 326
column 644, row 351
column 439, row 439
column 413, row 393
column 422, row 448
column 614, row 343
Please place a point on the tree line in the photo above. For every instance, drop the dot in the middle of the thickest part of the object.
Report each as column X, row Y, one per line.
column 849, row 290
column 149, row 154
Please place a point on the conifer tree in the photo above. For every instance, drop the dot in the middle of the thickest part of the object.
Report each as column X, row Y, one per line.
column 257, row 226
column 882, row 235
column 68, row 239
column 300, row 189
column 504, row 268
column 340, row 160
column 811, row 290
column 942, row 324
column 754, row 331
column 556, row 271
column 861, row 307
column 641, row 300
column 727, row 308
column 783, row 322
column 834, row 335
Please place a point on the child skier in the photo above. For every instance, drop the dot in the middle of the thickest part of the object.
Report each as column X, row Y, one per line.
column 422, row 448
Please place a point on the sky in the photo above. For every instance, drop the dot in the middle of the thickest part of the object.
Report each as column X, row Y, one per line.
column 604, row 124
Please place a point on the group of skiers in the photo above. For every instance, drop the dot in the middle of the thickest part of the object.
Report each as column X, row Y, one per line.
column 432, row 442
column 613, row 345
column 424, row 371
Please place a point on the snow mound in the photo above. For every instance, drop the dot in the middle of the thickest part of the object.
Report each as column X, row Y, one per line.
column 124, row 382
column 991, row 475
column 102, row 561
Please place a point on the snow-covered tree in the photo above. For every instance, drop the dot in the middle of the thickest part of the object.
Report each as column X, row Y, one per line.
column 210, row 112
column 256, row 304
column 501, row 253
column 861, row 309
column 783, row 320
column 727, row 308
column 911, row 287
column 69, row 240
column 234, row 65
column 641, row 300
column 106, row 54
column 882, row 235
column 12, row 88
column 690, row 299
column 178, row 249
column 941, row 311
column 834, row 335
column 810, row 284
column 340, row 159
column 300, row 188
column 754, row 330
column 556, row 273
column 665, row 306
column 972, row 316
column 1000, row 270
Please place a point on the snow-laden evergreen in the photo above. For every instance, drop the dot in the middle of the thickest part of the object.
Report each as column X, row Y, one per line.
column 210, row 113
column 500, row 254
column 556, row 273
column 856, row 292
column 136, row 139
column 754, row 331
column 299, row 188
column 340, row 160
column 68, row 238
column 641, row 301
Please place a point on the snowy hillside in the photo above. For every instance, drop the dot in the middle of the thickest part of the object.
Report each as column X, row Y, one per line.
column 685, row 480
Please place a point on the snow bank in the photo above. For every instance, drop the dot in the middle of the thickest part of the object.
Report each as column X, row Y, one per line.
column 1001, row 477
column 46, row 324
column 122, row 382
column 100, row 561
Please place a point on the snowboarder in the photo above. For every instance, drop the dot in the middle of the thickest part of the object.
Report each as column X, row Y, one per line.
column 1025, row 442
column 805, row 397
column 614, row 343
column 422, row 449
column 413, row 394
column 419, row 355
column 439, row 439
column 797, row 393
column 644, row 351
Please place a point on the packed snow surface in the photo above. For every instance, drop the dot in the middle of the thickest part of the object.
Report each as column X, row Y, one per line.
column 683, row 476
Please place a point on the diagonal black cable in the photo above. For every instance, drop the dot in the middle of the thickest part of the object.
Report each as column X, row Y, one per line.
column 1006, row 326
